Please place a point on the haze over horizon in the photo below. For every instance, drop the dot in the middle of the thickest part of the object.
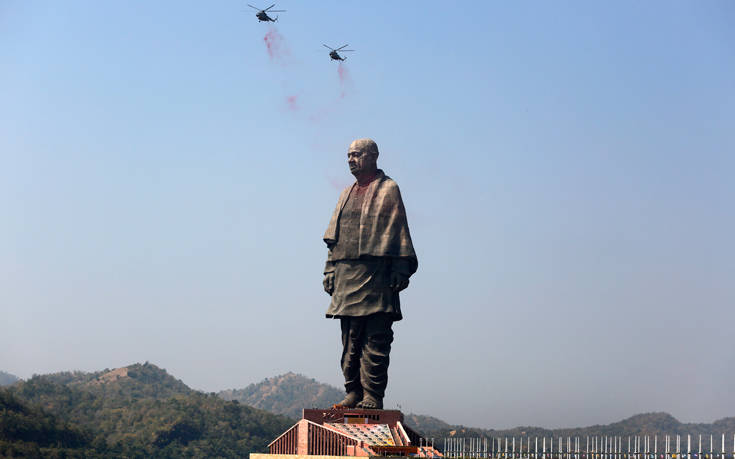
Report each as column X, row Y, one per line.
column 566, row 168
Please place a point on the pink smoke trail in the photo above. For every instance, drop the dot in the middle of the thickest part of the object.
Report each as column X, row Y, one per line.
column 345, row 81
column 292, row 102
column 275, row 44
column 345, row 87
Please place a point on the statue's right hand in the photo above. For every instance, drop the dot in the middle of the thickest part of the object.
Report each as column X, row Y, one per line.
column 329, row 283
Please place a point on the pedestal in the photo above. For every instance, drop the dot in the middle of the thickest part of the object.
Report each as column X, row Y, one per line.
column 348, row 432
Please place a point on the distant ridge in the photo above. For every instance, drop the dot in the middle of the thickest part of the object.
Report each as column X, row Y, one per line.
column 289, row 393
column 640, row 424
column 286, row 394
column 7, row 379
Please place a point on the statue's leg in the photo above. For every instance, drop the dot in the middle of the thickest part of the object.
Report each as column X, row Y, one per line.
column 375, row 359
column 352, row 337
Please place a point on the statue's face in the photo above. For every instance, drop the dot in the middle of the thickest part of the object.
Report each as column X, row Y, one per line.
column 360, row 160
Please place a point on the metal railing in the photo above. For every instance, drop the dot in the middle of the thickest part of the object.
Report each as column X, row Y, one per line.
column 592, row 447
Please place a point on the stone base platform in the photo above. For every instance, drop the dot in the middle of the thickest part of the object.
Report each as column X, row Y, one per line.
column 348, row 432
column 291, row 456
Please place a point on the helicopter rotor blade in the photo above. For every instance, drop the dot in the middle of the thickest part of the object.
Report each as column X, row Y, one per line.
column 345, row 46
column 346, row 50
column 251, row 6
column 270, row 7
column 277, row 11
column 328, row 47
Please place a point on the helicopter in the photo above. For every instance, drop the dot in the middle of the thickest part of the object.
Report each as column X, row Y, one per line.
column 262, row 15
column 335, row 55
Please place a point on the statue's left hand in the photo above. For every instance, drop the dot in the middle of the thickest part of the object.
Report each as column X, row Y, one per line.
column 328, row 283
column 398, row 281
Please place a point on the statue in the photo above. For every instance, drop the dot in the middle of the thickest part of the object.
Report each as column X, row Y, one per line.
column 370, row 259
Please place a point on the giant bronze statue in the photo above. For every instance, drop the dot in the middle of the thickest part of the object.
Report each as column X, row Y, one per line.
column 370, row 259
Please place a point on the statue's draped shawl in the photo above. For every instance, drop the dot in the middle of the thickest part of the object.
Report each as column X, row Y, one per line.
column 383, row 224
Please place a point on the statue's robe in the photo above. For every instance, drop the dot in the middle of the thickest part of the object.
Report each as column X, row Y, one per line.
column 368, row 239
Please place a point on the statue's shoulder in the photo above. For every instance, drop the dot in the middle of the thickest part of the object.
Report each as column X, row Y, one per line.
column 389, row 185
column 385, row 179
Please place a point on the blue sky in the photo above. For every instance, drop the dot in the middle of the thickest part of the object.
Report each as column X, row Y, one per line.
column 566, row 168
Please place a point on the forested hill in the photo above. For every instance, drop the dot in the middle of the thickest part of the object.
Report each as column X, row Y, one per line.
column 286, row 394
column 137, row 411
column 27, row 431
column 7, row 379
column 132, row 382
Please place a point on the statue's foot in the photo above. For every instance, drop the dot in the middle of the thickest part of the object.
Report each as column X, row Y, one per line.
column 350, row 399
column 371, row 403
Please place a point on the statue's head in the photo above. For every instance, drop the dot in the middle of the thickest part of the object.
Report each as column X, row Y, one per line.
column 362, row 157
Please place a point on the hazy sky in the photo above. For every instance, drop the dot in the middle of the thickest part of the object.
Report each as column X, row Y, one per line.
column 567, row 169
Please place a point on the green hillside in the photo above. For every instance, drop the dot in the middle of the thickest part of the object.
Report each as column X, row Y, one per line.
column 31, row 432
column 142, row 411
